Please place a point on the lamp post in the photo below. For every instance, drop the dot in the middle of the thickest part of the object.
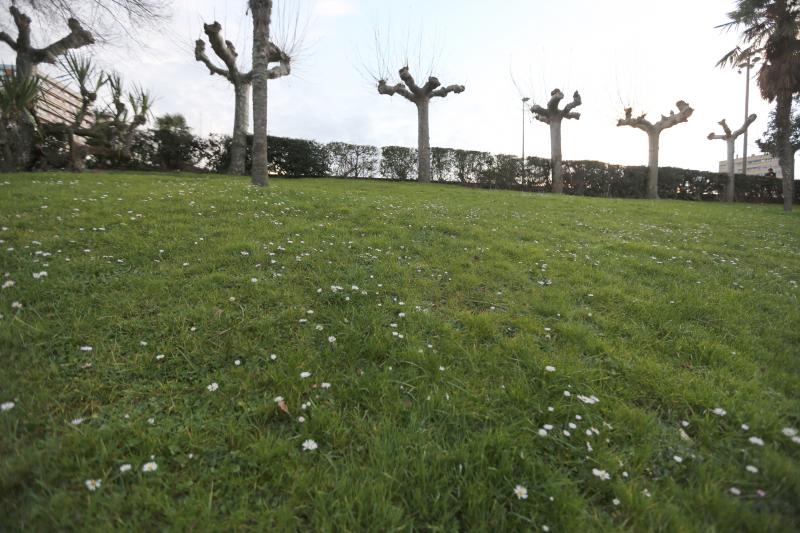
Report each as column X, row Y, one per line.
column 524, row 101
column 748, row 64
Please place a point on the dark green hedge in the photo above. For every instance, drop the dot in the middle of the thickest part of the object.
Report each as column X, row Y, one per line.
column 157, row 150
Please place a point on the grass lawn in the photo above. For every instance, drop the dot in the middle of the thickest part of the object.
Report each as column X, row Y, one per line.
column 633, row 365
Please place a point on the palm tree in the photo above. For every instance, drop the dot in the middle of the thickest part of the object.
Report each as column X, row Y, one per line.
column 770, row 29
column 18, row 97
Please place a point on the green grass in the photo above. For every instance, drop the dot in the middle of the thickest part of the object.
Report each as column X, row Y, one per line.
column 664, row 311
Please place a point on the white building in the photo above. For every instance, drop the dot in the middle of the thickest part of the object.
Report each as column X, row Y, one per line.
column 757, row 165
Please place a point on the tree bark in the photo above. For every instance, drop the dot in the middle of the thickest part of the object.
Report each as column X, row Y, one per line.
column 555, row 156
column 783, row 117
column 730, row 191
column 262, row 11
column 652, row 165
column 241, row 123
column 423, row 142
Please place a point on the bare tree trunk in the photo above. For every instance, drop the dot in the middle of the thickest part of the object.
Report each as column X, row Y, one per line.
column 730, row 191
column 652, row 165
column 783, row 114
column 262, row 11
column 241, row 123
column 555, row 156
column 423, row 142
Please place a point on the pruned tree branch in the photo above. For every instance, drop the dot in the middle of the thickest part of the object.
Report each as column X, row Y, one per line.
column 729, row 135
column 752, row 118
column 391, row 90
column 29, row 57
column 77, row 37
column 442, row 92
column 684, row 112
column 576, row 101
column 284, row 67
column 552, row 113
column 6, row 38
column 408, row 79
column 200, row 55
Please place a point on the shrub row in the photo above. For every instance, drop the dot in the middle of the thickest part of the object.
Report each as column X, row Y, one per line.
column 160, row 150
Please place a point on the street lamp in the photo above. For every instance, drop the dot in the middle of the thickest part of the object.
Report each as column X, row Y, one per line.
column 749, row 63
column 524, row 100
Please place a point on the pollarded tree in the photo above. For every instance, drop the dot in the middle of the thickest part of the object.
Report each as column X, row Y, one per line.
column 420, row 97
column 553, row 116
column 654, row 134
column 730, row 137
column 241, row 82
column 28, row 56
column 263, row 52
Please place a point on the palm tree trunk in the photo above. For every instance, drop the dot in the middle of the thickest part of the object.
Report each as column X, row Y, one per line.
column 555, row 156
column 262, row 11
column 783, row 119
column 423, row 142
column 241, row 122
column 652, row 165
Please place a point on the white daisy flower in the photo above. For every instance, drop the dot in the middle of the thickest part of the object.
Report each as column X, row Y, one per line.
column 93, row 484
column 758, row 441
column 213, row 387
column 331, row 339
column 542, row 432
column 602, row 474
column 150, row 467
column 615, row 501
column 77, row 421
column 325, row 385
column 752, row 469
column 238, row 362
column 86, row 348
column 719, row 411
column 7, row 406
column 789, row 432
column 521, row 492
column 125, row 468
column 304, row 375
column 735, row 491
column 550, row 368
column 309, row 445
column 677, row 458
column 278, row 399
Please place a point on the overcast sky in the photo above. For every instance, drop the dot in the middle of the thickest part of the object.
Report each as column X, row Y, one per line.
column 644, row 53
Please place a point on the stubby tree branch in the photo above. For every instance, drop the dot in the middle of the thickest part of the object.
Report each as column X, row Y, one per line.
column 391, row 90
column 29, row 57
column 200, row 55
column 442, row 92
column 77, row 37
column 6, row 38
column 284, row 67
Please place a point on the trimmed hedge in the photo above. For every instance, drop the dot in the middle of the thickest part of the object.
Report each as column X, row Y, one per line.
column 154, row 150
